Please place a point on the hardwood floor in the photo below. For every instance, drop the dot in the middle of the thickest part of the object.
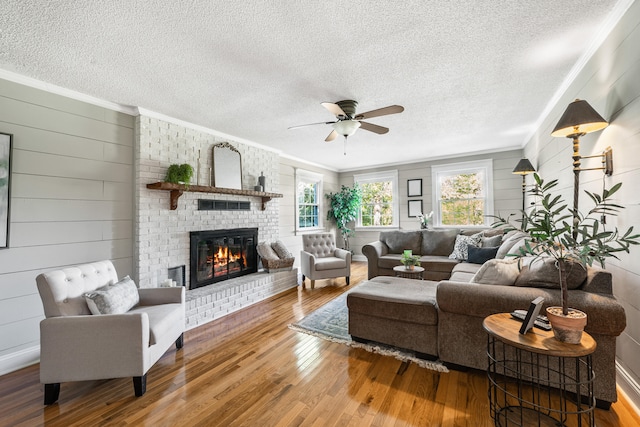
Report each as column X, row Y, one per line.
column 249, row 369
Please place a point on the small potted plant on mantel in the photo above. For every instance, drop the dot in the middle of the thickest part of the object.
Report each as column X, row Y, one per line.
column 409, row 260
column 179, row 174
column 570, row 238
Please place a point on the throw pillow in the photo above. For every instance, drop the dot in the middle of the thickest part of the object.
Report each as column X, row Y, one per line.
column 266, row 252
column 480, row 255
column 498, row 272
column 509, row 242
column 542, row 273
column 460, row 248
column 491, row 242
column 281, row 250
column 116, row 298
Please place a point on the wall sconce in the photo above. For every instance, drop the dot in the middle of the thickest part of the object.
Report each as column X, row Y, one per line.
column 580, row 119
column 524, row 167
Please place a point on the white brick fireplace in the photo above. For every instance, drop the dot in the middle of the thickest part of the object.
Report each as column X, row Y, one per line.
column 162, row 235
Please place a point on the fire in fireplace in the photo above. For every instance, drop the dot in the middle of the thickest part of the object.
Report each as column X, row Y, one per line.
column 218, row 255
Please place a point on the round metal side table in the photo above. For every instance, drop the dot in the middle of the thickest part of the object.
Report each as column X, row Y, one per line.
column 536, row 380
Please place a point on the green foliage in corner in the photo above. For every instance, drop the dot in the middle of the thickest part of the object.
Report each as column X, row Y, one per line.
column 343, row 209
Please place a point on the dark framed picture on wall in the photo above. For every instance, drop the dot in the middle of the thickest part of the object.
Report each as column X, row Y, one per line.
column 415, row 208
column 414, row 187
column 5, row 185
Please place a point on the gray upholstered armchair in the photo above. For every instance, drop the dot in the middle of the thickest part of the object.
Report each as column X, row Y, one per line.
column 76, row 345
column 320, row 259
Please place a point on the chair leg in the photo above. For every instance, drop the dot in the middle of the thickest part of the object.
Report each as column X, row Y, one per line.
column 140, row 385
column 303, row 281
column 347, row 279
column 180, row 341
column 313, row 283
column 51, row 393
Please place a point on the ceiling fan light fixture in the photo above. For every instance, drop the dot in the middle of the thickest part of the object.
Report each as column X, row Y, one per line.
column 346, row 127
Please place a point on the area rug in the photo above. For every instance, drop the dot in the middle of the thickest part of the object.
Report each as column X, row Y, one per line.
column 331, row 322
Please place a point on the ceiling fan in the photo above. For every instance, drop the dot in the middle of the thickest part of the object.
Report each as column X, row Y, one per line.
column 347, row 121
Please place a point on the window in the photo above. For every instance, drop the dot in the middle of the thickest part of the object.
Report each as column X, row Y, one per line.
column 463, row 193
column 379, row 199
column 308, row 200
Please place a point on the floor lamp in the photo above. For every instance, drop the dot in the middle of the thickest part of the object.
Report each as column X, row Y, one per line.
column 580, row 119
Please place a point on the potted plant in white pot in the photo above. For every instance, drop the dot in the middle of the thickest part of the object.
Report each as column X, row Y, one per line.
column 570, row 239
column 410, row 261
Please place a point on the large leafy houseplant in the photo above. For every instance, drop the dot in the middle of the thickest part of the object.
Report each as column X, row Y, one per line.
column 343, row 209
column 567, row 236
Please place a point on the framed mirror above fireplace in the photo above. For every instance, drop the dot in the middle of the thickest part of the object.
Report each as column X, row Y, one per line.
column 227, row 166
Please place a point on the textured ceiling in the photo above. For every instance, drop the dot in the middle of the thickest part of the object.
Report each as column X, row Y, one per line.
column 473, row 76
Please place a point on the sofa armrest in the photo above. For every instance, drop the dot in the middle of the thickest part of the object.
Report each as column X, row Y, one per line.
column 373, row 251
column 75, row 348
column 605, row 315
column 155, row 296
column 342, row 254
column 307, row 263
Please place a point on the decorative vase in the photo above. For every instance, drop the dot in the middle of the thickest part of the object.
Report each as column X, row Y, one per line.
column 567, row 329
column 262, row 181
column 409, row 267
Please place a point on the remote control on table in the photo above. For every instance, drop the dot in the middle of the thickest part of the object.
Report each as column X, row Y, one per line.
column 541, row 322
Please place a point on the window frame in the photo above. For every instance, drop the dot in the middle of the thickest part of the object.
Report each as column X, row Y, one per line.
column 308, row 177
column 449, row 169
column 390, row 175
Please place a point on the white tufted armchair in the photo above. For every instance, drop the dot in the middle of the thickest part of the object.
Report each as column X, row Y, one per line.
column 320, row 259
column 78, row 346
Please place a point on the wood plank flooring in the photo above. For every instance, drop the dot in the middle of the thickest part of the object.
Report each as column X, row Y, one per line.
column 249, row 369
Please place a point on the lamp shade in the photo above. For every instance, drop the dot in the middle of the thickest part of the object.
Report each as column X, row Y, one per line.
column 346, row 127
column 578, row 119
column 524, row 167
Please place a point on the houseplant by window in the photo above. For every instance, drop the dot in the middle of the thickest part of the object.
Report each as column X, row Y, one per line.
column 550, row 225
column 343, row 209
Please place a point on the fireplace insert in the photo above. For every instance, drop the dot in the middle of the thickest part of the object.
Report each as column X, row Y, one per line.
column 218, row 255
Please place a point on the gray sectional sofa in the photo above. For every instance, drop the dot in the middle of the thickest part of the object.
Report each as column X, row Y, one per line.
column 442, row 316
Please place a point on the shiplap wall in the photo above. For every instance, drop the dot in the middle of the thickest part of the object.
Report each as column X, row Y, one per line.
column 71, row 201
column 610, row 82
column 507, row 189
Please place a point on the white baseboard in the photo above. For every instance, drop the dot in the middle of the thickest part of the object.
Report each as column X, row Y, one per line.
column 629, row 387
column 358, row 257
column 20, row 359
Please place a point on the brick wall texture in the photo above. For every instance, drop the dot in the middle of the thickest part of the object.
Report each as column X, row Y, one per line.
column 162, row 235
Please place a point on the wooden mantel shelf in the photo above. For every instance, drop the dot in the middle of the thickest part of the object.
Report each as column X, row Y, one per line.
column 177, row 190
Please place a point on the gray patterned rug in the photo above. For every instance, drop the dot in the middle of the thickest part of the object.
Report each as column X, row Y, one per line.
column 331, row 322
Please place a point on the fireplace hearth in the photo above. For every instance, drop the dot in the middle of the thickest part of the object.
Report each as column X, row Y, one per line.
column 217, row 255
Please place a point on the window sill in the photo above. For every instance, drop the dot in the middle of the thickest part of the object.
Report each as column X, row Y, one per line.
column 378, row 228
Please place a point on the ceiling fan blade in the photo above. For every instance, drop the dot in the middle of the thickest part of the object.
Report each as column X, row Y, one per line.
column 374, row 128
column 391, row 109
column 331, row 136
column 333, row 109
column 310, row 124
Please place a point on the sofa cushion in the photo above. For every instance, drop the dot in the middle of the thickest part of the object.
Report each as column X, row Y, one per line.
column 498, row 272
column 438, row 263
column 116, row 298
column 438, row 242
column 398, row 241
column 162, row 318
column 460, row 251
column 543, row 273
column 480, row 255
column 464, row 272
column 508, row 241
column 330, row 263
